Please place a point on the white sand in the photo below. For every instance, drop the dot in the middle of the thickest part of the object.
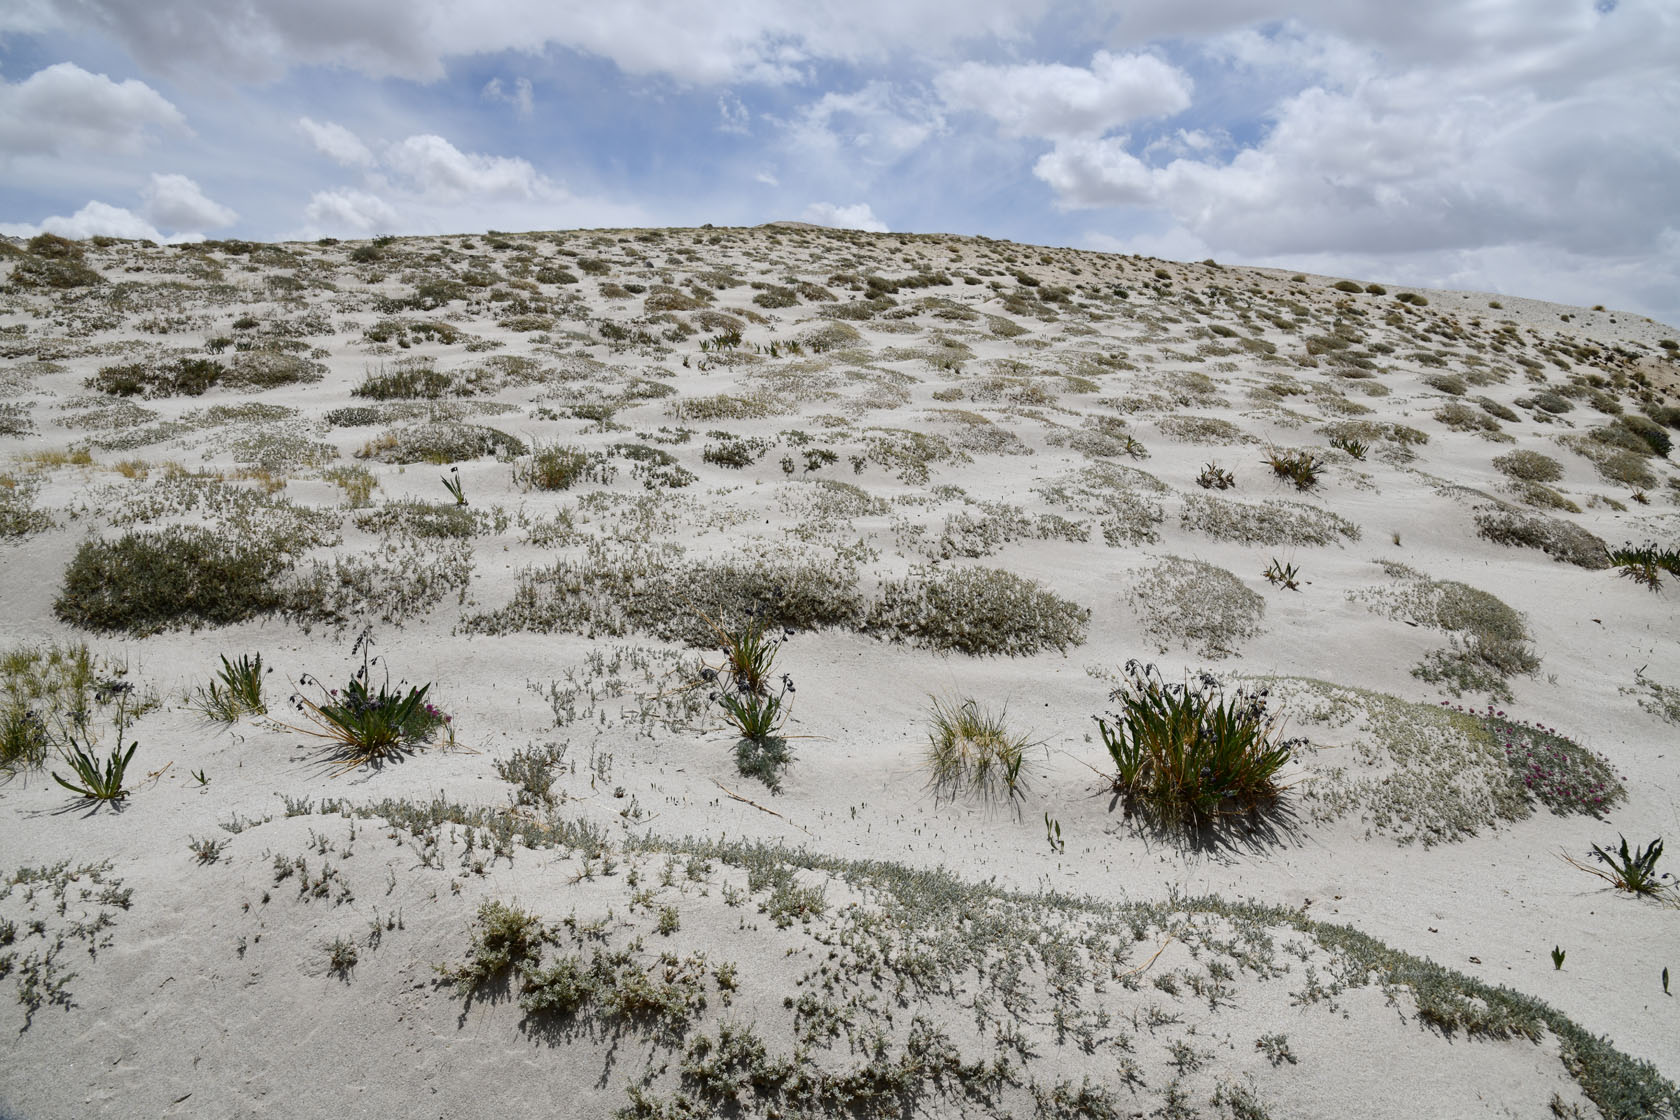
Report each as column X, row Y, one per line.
column 212, row 994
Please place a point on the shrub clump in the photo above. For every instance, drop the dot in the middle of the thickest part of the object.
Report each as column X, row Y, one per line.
column 1273, row 522
column 181, row 377
column 1205, row 607
column 147, row 581
column 639, row 590
column 1563, row 542
column 1529, row 466
column 979, row 611
column 441, row 443
column 256, row 370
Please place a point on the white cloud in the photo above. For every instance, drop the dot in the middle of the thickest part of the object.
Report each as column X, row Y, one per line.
column 64, row 106
column 748, row 40
column 1050, row 99
column 520, row 98
column 436, row 167
column 350, row 213
column 424, row 184
column 176, row 202
column 96, row 219
column 733, row 113
column 337, row 143
column 877, row 124
column 856, row 216
column 766, row 178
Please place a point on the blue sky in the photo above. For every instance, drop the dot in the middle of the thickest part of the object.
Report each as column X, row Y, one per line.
column 1530, row 147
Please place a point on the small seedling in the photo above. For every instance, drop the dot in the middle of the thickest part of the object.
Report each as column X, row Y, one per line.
column 1053, row 833
column 1283, row 575
column 1215, row 478
column 1557, row 958
column 452, row 483
column 1665, row 982
column 199, row 777
column 1355, row 448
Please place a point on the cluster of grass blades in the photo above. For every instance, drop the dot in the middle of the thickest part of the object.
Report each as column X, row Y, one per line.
column 237, row 691
column 972, row 749
column 1302, row 468
column 1188, row 754
column 369, row 726
column 1645, row 564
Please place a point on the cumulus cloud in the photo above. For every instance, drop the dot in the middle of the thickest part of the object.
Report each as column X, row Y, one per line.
column 438, row 168
column 97, row 219
column 176, row 202
column 856, row 216
column 1050, row 99
column 64, row 106
column 1366, row 159
column 520, row 97
column 337, row 143
column 350, row 212
column 425, row 184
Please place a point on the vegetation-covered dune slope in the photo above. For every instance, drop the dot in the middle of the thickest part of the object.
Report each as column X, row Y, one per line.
column 799, row 672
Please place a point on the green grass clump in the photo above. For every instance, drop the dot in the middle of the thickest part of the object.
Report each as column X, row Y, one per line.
column 409, row 379
column 237, row 692
column 978, row 611
column 1204, row 607
column 972, row 750
column 147, row 581
column 43, row 689
column 367, row 726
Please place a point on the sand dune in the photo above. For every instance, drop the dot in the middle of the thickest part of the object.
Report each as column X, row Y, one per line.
column 953, row 469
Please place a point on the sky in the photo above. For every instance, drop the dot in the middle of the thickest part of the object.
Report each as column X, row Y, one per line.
column 1526, row 147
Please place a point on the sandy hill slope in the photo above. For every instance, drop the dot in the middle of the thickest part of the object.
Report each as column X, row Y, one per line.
column 969, row 495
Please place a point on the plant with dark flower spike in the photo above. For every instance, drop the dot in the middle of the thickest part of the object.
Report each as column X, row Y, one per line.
column 370, row 725
column 99, row 783
column 742, row 689
column 1190, row 753
column 452, row 483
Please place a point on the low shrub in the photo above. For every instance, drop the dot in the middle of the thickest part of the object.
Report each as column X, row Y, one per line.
column 147, row 581
column 1529, row 466
column 189, row 377
column 1202, row 606
column 1563, row 542
column 442, row 443
column 978, row 611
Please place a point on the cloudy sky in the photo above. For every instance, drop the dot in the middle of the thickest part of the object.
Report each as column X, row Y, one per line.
column 1529, row 147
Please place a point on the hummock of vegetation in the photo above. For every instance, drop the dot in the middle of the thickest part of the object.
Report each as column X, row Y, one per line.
column 794, row 685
